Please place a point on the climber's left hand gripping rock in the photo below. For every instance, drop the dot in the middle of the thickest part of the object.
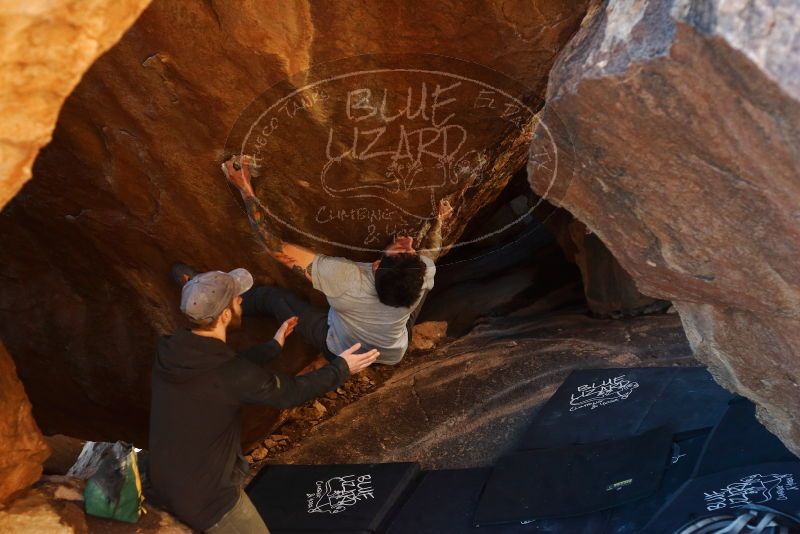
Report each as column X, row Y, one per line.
column 239, row 177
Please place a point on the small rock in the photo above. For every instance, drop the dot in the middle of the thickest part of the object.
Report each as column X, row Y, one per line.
column 259, row 454
column 319, row 407
column 66, row 493
column 279, row 437
column 331, row 395
column 340, row 391
column 427, row 335
column 269, row 443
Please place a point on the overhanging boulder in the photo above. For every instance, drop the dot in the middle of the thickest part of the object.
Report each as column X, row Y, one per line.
column 676, row 127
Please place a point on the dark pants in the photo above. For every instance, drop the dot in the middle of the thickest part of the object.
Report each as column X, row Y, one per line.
column 282, row 304
column 243, row 518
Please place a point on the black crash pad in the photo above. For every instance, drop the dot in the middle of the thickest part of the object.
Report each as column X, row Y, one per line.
column 330, row 498
column 686, row 453
column 606, row 404
column 576, row 480
column 740, row 440
column 444, row 502
column 770, row 484
column 741, row 463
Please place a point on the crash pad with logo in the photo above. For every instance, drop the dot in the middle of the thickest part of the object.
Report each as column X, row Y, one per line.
column 741, row 464
column 772, row 484
column 606, row 404
column 330, row 498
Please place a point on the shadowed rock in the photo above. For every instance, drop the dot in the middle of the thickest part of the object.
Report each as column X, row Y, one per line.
column 610, row 291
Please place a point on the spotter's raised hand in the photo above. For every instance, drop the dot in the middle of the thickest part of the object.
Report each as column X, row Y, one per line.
column 286, row 330
column 445, row 210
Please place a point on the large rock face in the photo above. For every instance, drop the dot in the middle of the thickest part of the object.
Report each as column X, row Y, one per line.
column 676, row 126
column 45, row 47
column 24, row 449
column 131, row 181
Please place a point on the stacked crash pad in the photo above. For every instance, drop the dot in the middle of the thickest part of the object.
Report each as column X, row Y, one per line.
column 742, row 465
column 613, row 450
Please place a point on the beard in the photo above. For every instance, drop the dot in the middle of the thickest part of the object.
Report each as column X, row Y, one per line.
column 236, row 319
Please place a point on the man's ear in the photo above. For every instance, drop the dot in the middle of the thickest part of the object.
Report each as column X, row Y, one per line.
column 226, row 316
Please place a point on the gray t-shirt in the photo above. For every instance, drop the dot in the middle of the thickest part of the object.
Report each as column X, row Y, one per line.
column 356, row 315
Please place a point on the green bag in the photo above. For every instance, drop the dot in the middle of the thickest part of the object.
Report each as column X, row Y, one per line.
column 114, row 491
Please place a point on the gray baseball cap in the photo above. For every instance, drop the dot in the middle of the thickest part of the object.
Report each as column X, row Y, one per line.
column 206, row 295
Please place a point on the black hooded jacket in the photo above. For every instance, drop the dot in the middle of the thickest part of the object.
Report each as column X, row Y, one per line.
column 199, row 385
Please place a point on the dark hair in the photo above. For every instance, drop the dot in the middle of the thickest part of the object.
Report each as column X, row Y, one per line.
column 399, row 278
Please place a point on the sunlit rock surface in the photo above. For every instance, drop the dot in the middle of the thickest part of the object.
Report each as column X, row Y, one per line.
column 23, row 448
column 131, row 181
column 676, row 130
column 45, row 47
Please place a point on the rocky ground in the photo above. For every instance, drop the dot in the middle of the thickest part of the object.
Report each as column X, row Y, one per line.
column 54, row 505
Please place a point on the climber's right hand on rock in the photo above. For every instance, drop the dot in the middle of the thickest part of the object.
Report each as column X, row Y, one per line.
column 445, row 211
column 359, row 362
column 239, row 177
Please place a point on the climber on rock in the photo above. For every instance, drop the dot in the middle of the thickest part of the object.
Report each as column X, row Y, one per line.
column 375, row 304
column 199, row 384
